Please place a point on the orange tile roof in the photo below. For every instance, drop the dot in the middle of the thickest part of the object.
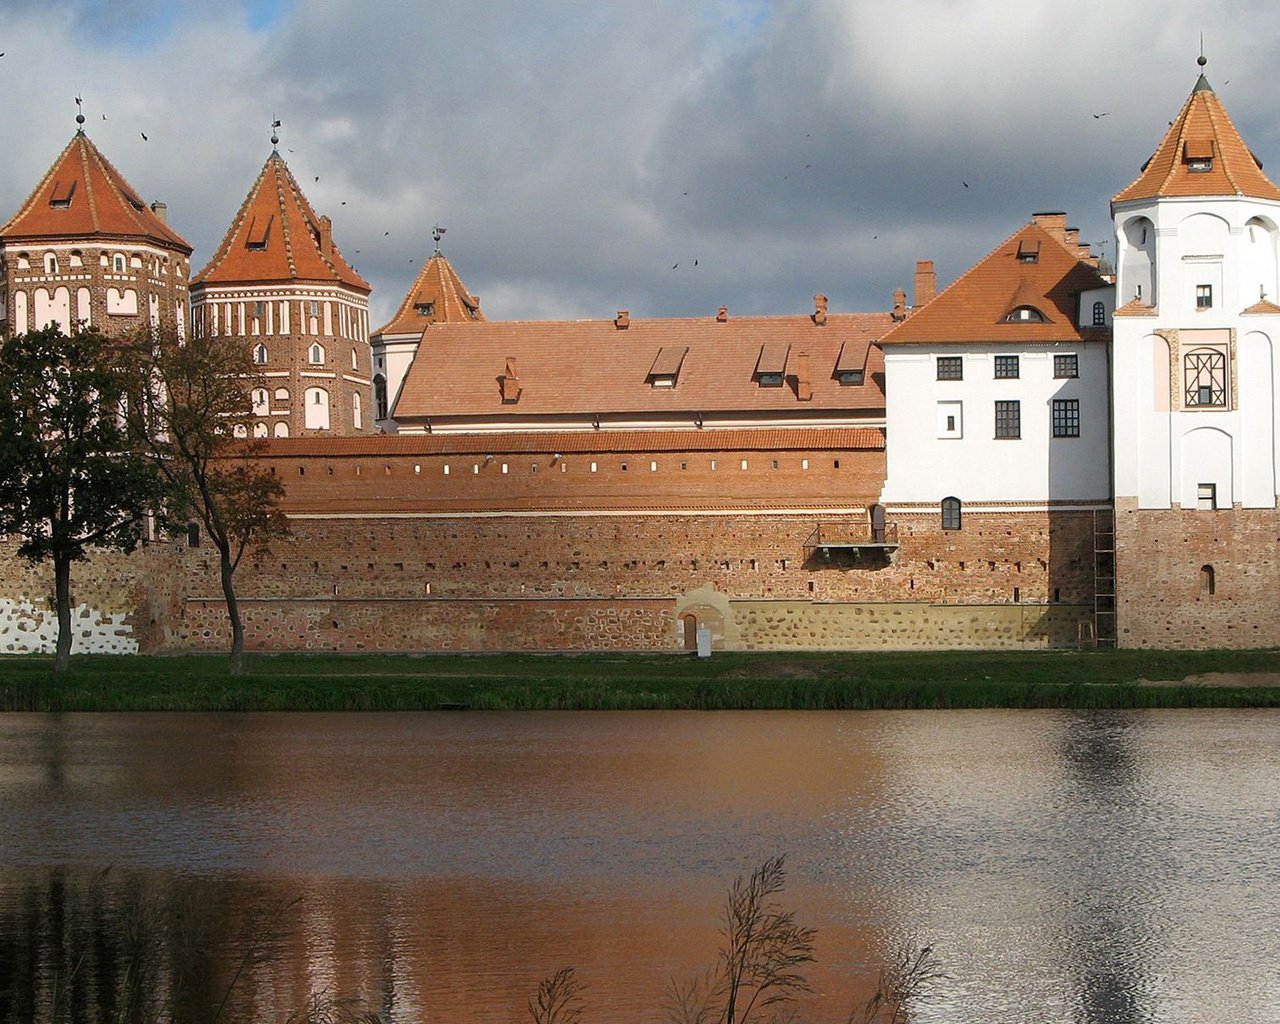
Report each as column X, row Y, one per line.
column 974, row 308
column 1263, row 305
column 586, row 367
column 1202, row 128
column 83, row 196
column 575, row 441
column 439, row 286
column 1135, row 307
column 277, row 237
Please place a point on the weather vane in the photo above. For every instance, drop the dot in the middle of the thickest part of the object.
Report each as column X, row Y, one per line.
column 437, row 233
column 275, row 135
column 1202, row 60
column 79, row 113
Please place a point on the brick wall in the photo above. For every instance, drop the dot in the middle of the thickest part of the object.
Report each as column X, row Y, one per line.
column 1163, row 598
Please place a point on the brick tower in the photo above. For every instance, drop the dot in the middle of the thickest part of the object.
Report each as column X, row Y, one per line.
column 85, row 248
column 1195, row 371
column 278, row 282
column 437, row 296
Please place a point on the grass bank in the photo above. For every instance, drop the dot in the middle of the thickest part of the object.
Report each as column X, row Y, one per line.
column 809, row 680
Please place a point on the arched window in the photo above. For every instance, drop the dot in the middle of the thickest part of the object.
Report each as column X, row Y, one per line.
column 316, row 409
column 316, row 355
column 355, row 361
column 282, row 396
column 260, row 403
column 380, row 396
column 1208, row 584
column 356, row 419
column 260, row 430
column 1025, row 315
column 1205, row 378
column 282, row 429
column 50, row 263
column 260, row 354
column 951, row 513
column 1099, row 315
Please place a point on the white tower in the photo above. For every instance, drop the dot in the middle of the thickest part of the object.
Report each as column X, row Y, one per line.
column 1194, row 389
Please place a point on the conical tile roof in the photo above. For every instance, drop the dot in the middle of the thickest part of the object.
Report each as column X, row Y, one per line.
column 439, row 290
column 277, row 237
column 1201, row 136
column 83, row 196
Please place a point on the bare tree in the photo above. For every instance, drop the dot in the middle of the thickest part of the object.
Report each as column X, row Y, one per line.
column 191, row 414
column 908, row 978
column 558, row 999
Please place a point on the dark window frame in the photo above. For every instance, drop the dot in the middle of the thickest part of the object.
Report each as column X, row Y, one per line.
column 1008, row 420
column 950, row 368
column 1066, row 366
column 1007, row 367
column 952, row 513
column 1066, row 417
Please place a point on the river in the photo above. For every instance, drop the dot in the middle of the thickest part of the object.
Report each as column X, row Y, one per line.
column 1075, row 867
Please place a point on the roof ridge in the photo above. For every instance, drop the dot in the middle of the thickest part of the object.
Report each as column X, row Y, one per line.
column 1213, row 120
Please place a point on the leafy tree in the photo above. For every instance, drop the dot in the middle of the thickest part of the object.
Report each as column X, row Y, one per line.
column 69, row 480
column 191, row 415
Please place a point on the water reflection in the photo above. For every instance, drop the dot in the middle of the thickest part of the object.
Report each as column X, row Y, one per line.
column 1070, row 868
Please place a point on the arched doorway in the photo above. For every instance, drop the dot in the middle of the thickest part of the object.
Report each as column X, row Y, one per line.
column 690, row 632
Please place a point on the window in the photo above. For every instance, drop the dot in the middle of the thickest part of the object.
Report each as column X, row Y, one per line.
column 260, row 354
column 1099, row 315
column 117, row 263
column 316, row 409
column 259, row 396
column 1066, row 417
column 1066, row 366
column 355, row 360
column 1009, row 419
column 950, row 419
column 951, row 513
column 1206, row 497
column 1006, row 367
column 425, row 308
column 380, row 396
column 1205, row 379
column 316, row 354
column 357, row 420
column 50, row 263
column 769, row 380
column 1025, row 315
column 193, row 535
column 1208, row 584
column 1197, row 154
column 850, row 378
column 1204, row 296
column 950, row 367
column 1029, row 251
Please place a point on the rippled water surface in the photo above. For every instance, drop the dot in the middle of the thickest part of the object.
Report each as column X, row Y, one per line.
column 1067, row 867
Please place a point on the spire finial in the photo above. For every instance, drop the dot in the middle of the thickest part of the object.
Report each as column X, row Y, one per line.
column 275, row 136
column 1202, row 60
column 79, row 114
column 437, row 233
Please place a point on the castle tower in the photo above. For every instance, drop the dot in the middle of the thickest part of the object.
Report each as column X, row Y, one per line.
column 436, row 296
column 85, row 248
column 279, row 283
column 1195, row 384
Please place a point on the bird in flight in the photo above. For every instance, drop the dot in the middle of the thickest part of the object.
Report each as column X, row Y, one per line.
column 144, row 136
column 385, row 233
column 317, row 177
column 965, row 184
column 674, row 265
column 1103, row 114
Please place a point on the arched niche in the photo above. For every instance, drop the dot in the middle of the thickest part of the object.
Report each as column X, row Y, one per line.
column 1137, row 270
column 1205, row 461
column 1258, row 262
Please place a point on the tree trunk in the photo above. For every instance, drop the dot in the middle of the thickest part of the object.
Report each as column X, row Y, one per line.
column 62, row 601
column 233, row 611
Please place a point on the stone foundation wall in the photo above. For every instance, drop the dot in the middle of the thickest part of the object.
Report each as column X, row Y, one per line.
column 1163, row 588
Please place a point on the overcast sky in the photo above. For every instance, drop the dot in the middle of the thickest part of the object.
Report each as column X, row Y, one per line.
column 575, row 150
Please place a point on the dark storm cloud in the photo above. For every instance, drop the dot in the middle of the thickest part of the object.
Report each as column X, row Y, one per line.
column 577, row 150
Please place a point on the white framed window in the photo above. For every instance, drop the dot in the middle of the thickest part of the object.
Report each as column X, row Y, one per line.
column 260, row 354
column 50, row 263
column 316, row 354
column 951, row 420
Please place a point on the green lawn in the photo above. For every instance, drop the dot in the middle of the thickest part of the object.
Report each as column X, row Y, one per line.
column 946, row 679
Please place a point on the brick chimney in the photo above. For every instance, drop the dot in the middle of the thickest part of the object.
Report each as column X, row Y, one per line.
column 326, row 236
column 722, row 314
column 899, row 304
column 511, row 382
column 161, row 210
column 819, row 314
column 1054, row 222
column 623, row 320
column 804, row 385
column 926, row 283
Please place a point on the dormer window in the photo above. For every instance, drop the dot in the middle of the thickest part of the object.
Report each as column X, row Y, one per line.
column 1198, row 155
column 1025, row 315
column 849, row 365
column 256, row 241
column 665, row 370
column 1029, row 250
column 850, row 378
column 425, row 309
column 771, row 367
column 60, row 198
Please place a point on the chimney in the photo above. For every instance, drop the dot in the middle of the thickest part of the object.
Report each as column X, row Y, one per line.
column 1052, row 221
column 326, row 236
column 1072, row 237
column 161, row 210
column 804, row 386
column 819, row 309
column 623, row 320
column 926, row 283
column 723, row 314
column 511, row 382
column 899, row 305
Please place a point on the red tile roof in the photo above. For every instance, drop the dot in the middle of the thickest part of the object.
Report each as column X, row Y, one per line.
column 586, row 367
column 1263, row 305
column 277, row 237
column 438, row 286
column 1202, row 129
column 976, row 306
column 84, row 196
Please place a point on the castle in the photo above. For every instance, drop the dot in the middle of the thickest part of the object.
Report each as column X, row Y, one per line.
column 1044, row 453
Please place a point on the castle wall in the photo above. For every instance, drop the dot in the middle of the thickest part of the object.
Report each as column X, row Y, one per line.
column 1163, row 598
